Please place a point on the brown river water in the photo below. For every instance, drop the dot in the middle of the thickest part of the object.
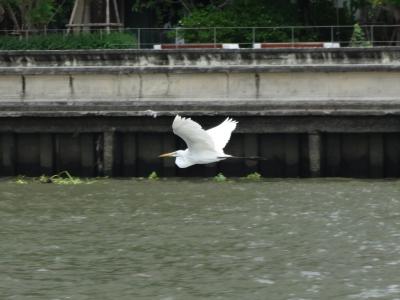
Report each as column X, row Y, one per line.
column 200, row 239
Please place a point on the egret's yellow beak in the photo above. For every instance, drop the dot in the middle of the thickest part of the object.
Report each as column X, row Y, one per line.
column 171, row 154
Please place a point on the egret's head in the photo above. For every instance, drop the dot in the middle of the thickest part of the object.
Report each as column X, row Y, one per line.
column 177, row 153
column 181, row 158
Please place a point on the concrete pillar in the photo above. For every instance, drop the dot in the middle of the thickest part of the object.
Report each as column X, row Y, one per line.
column 8, row 157
column 355, row 156
column 292, row 155
column 250, row 148
column 108, row 152
column 392, row 154
column 46, row 153
column 87, row 154
column 272, row 148
column 233, row 167
column 149, row 146
column 333, row 154
column 376, row 155
column 168, row 145
column 210, row 170
column 28, row 154
column 129, row 154
column 314, row 154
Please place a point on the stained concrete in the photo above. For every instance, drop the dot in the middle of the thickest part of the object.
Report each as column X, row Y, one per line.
column 308, row 112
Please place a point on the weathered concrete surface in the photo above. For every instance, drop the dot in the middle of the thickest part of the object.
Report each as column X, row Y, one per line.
column 308, row 86
column 309, row 112
column 199, row 57
column 270, row 75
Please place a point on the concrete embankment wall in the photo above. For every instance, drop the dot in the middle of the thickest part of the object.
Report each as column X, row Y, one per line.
column 309, row 112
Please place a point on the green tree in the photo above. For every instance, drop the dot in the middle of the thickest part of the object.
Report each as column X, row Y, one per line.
column 241, row 13
column 29, row 14
column 358, row 38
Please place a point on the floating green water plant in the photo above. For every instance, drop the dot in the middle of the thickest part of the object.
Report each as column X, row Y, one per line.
column 254, row 176
column 153, row 176
column 21, row 180
column 65, row 177
column 220, row 177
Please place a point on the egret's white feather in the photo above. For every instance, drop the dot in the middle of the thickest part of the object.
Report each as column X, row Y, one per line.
column 195, row 137
column 221, row 134
column 204, row 147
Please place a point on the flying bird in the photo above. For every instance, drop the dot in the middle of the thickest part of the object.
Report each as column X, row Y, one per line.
column 204, row 146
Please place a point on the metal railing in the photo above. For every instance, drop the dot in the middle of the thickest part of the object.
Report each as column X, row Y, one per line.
column 244, row 37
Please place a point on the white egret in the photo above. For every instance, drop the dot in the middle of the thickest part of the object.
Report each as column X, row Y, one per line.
column 204, row 146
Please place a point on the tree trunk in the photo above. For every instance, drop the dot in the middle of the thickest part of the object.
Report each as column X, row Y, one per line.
column 14, row 19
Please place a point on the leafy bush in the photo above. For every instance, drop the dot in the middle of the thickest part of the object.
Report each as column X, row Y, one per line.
column 244, row 14
column 358, row 38
column 58, row 41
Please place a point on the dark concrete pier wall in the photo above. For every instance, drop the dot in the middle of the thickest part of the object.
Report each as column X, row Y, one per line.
column 309, row 112
column 343, row 147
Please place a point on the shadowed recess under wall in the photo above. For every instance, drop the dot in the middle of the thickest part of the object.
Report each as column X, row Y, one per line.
column 372, row 155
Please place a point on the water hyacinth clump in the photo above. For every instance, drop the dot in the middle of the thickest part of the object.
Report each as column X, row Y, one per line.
column 254, row 176
column 153, row 176
column 21, row 180
column 65, row 178
column 220, row 178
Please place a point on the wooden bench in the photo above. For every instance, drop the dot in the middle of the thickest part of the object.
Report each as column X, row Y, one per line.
column 196, row 46
column 296, row 45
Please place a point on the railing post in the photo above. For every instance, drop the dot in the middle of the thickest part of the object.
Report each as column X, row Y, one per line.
column 372, row 35
column 176, row 37
column 332, row 35
column 292, row 33
column 254, row 35
column 138, row 38
column 215, row 37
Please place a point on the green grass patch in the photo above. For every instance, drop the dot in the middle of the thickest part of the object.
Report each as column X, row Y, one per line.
column 58, row 41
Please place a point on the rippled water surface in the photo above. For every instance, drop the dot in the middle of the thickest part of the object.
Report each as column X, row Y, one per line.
column 198, row 239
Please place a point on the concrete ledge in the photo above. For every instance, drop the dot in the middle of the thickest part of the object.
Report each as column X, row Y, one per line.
column 190, row 70
column 196, row 108
column 199, row 57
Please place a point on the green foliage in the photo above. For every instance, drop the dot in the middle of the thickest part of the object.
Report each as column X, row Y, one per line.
column 244, row 13
column 42, row 12
column 385, row 2
column 358, row 38
column 254, row 176
column 31, row 14
column 153, row 176
column 220, row 178
column 53, row 41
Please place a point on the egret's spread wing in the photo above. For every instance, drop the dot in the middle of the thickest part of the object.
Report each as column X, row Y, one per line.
column 194, row 136
column 222, row 133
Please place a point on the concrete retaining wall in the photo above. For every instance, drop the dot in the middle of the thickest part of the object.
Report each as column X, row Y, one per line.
column 310, row 112
column 216, row 86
